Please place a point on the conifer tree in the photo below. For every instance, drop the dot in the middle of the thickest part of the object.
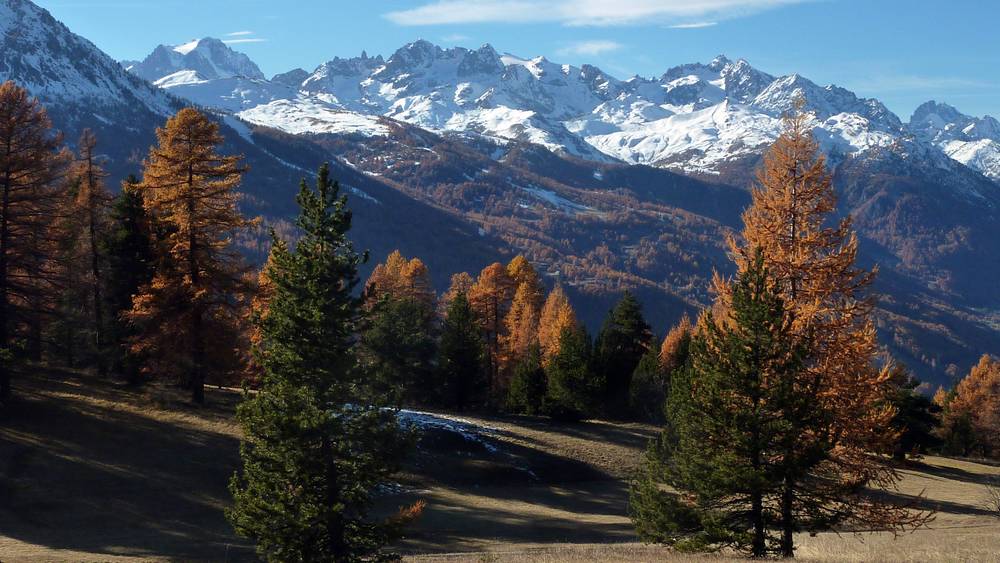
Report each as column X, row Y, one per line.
column 651, row 380
column 557, row 316
column 398, row 348
column 523, row 273
column 318, row 441
column 491, row 298
column 31, row 166
column 462, row 375
column 90, row 206
column 916, row 416
column 673, row 352
column 128, row 246
column 572, row 387
column 624, row 339
column 815, row 271
column 727, row 426
column 972, row 413
column 648, row 391
column 189, row 190
column 527, row 388
column 521, row 328
column 400, row 278
column 462, row 283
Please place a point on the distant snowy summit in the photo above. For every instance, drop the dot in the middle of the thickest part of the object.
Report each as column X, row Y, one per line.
column 695, row 118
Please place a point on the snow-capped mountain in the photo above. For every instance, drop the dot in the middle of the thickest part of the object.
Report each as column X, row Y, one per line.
column 973, row 141
column 695, row 118
column 209, row 59
column 61, row 67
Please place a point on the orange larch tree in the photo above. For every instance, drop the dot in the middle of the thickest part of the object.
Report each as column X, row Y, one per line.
column 31, row 169
column 557, row 316
column 91, row 206
column 400, row 278
column 189, row 315
column 491, row 298
column 977, row 400
column 814, row 267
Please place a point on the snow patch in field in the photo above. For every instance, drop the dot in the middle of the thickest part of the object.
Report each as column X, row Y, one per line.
column 467, row 429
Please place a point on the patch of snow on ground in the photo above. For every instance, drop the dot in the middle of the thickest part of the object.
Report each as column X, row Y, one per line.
column 469, row 430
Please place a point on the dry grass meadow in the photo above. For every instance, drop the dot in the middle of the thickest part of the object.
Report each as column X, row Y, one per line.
column 93, row 472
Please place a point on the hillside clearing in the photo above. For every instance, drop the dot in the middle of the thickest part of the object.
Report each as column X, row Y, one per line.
column 90, row 471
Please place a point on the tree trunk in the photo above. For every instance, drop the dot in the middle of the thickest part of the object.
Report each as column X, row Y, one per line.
column 334, row 520
column 96, row 273
column 787, row 519
column 197, row 379
column 5, row 388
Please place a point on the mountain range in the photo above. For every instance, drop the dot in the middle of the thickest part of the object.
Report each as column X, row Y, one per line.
column 463, row 157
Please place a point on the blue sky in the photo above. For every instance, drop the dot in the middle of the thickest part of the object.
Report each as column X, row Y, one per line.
column 903, row 52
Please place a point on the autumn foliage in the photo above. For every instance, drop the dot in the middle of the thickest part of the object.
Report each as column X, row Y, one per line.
column 190, row 192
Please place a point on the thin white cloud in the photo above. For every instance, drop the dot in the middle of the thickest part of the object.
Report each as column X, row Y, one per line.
column 455, row 38
column 887, row 83
column 578, row 12
column 590, row 48
column 696, row 25
column 242, row 41
column 239, row 34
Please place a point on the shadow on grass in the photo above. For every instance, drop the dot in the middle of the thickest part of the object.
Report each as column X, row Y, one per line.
column 79, row 475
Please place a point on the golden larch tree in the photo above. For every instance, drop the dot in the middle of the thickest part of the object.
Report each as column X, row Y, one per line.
column 814, row 267
column 400, row 278
column 557, row 315
column 90, row 207
column 31, row 170
column 977, row 397
column 522, row 272
column 673, row 351
column 491, row 298
column 189, row 315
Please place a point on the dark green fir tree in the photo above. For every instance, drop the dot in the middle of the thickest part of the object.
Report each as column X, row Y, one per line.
column 726, row 423
column 398, row 349
column 128, row 247
column 318, row 440
column 462, row 375
column 573, row 386
column 527, row 387
column 624, row 339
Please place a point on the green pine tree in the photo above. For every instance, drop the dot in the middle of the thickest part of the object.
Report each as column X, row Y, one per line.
column 573, row 388
column 462, row 374
column 648, row 391
column 727, row 424
column 317, row 438
column 129, row 249
column 916, row 417
column 624, row 339
column 527, row 387
column 399, row 347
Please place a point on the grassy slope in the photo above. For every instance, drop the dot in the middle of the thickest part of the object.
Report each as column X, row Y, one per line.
column 90, row 472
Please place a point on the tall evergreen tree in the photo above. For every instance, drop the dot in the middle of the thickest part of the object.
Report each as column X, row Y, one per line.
column 398, row 348
column 527, row 388
column 727, row 420
column 128, row 246
column 190, row 190
column 916, row 416
column 461, row 373
column 31, row 167
column 624, row 339
column 573, row 388
column 317, row 438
